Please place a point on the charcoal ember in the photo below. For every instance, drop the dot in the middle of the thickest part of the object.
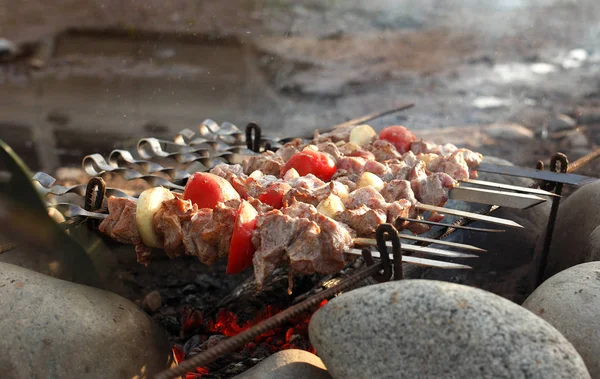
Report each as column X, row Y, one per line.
column 207, row 281
column 245, row 301
column 170, row 324
column 193, row 343
column 190, row 288
column 191, row 319
column 200, row 343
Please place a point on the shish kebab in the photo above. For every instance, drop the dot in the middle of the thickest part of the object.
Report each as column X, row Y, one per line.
column 303, row 205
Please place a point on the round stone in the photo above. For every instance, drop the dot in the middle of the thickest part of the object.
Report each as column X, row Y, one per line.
column 52, row 328
column 288, row 364
column 570, row 301
column 431, row 329
column 573, row 240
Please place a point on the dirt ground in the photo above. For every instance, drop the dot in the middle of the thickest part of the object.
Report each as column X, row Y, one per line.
column 138, row 68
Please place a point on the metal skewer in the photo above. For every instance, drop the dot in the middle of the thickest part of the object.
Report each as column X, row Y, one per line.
column 417, row 260
column 417, row 249
column 373, row 242
column 470, row 215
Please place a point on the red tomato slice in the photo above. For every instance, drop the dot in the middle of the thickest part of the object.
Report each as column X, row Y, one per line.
column 313, row 162
column 274, row 194
column 398, row 136
column 206, row 190
column 241, row 249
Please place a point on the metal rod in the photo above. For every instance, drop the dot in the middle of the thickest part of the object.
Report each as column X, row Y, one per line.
column 574, row 166
column 564, row 167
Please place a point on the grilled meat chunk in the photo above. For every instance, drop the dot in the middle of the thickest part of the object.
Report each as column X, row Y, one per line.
column 433, row 189
column 219, row 229
column 362, row 219
column 121, row 226
column 268, row 163
column 168, row 224
column 192, row 237
column 365, row 196
column 398, row 189
column 383, row 150
column 336, row 135
column 331, row 149
column 308, row 241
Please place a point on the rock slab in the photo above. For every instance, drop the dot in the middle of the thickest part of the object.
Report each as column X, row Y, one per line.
column 574, row 241
column 52, row 328
column 431, row 329
column 288, row 364
column 508, row 268
column 570, row 301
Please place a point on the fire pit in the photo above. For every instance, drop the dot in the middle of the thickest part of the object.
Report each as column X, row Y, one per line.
column 222, row 336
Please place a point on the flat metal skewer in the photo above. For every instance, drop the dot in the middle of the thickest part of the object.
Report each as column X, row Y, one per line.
column 417, row 249
column 534, row 191
column 471, row 228
column 470, row 215
column 495, row 197
column 373, row 242
column 417, row 260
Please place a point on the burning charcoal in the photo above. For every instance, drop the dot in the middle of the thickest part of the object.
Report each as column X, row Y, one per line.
column 191, row 319
column 171, row 325
column 190, row 288
column 437, row 330
column 192, row 343
column 207, row 281
column 152, row 302
column 570, row 301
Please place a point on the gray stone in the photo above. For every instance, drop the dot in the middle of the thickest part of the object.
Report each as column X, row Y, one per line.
column 8, row 50
column 431, row 329
column 508, row 268
column 578, row 216
column 288, row 364
column 52, row 328
column 593, row 247
column 152, row 301
column 570, row 301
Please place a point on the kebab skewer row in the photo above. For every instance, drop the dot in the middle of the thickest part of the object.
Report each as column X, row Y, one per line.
column 221, row 224
column 299, row 236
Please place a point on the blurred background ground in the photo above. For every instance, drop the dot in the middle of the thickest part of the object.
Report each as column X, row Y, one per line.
column 92, row 75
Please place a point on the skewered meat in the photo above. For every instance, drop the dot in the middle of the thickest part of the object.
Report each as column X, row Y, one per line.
column 268, row 163
column 192, row 237
column 219, row 229
column 331, row 149
column 168, row 222
column 121, row 226
column 365, row 196
column 384, row 186
column 454, row 165
column 383, row 151
column 433, row 189
column 289, row 149
column 362, row 219
column 336, row 135
column 309, row 241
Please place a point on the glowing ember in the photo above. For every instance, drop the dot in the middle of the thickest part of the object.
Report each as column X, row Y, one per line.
column 294, row 335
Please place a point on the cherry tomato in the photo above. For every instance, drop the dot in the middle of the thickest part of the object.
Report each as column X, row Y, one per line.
column 241, row 249
column 398, row 136
column 313, row 162
column 274, row 194
column 206, row 190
